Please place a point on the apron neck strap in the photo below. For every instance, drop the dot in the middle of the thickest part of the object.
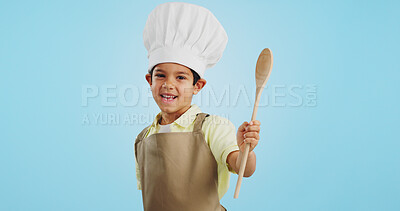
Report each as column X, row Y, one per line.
column 142, row 134
column 199, row 121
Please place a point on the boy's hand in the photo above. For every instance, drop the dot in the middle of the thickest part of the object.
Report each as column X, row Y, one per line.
column 248, row 133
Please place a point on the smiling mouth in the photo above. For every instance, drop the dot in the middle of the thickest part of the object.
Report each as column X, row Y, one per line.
column 168, row 97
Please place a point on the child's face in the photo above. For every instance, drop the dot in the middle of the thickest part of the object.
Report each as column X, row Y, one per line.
column 172, row 87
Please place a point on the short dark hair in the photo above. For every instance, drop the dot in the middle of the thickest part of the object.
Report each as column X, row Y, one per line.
column 196, row 76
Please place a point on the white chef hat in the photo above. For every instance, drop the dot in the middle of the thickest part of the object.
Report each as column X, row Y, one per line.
column 186, row 34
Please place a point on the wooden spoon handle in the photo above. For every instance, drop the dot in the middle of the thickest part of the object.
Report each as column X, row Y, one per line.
column 241, row 170
column 243, row 156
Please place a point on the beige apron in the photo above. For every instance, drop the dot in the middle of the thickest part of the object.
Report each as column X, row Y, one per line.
column 177, row 171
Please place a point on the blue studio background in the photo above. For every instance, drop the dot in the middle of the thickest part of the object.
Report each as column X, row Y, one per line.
column 73, row 98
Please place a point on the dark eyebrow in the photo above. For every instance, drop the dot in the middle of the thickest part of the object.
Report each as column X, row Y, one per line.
column 159, row 70
column 182, row 72
column 179, row 72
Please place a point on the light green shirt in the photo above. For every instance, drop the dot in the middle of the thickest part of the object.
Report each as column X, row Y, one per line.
column 219, row 133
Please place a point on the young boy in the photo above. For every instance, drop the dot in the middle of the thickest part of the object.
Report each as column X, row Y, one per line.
column 184, row 157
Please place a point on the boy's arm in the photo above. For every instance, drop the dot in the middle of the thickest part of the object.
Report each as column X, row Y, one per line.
column 247, row 133
column 234, row 159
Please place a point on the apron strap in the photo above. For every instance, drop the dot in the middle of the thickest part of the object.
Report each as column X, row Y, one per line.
column 142, row 134
column 140, row 137
column 199, row 121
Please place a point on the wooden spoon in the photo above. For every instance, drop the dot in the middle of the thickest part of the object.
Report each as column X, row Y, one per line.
column 263, row 70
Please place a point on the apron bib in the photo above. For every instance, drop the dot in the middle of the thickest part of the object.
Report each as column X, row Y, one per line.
column 178, row 171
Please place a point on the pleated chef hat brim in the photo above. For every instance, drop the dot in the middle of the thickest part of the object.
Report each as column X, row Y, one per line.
column 186, row 34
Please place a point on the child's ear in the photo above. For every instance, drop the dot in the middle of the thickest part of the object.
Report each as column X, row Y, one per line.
column 199, row 85
column 148, row 78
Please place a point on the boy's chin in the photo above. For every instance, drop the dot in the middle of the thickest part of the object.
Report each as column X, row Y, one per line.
column 172, row 109
column 167, row 108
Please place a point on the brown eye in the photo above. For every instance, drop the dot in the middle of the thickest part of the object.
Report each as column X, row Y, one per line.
column 181, row 77
column 160, row 75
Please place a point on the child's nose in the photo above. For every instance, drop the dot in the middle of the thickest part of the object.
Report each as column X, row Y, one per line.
column 168, row 84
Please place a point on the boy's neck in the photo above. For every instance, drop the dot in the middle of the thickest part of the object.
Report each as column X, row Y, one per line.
column 168, row 118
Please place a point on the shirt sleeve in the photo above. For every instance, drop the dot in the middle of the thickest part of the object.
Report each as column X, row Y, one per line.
column 139, row 186
column 220, row 135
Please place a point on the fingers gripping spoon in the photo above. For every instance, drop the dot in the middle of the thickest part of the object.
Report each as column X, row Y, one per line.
column 263, row 70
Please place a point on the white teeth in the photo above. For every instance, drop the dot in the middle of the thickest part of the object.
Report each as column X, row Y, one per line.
column 168, row 97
